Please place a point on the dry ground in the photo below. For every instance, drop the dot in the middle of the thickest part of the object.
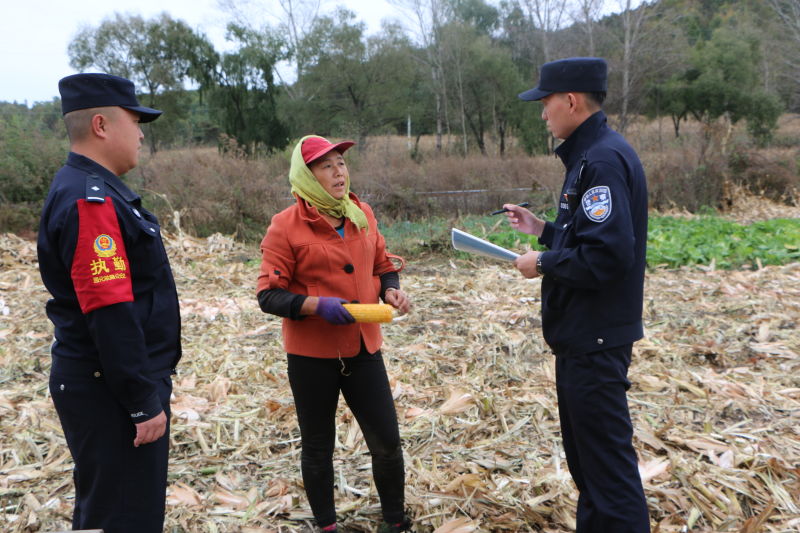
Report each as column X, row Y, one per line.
column 715, row 402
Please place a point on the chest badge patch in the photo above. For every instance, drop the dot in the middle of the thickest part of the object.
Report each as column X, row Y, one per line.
column 596, row 203
column 104, row 246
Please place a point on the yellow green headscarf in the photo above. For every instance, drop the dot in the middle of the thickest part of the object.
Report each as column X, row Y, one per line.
column 306, row 186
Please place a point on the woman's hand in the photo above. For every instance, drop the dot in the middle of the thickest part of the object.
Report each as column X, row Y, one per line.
column 397, row 299
column 331, row 310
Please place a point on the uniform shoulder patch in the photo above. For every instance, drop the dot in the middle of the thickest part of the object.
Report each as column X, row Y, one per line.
column 596, row 203
column 95, row 189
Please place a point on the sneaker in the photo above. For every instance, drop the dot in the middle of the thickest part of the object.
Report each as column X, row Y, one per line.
column 386, row 527
column 332, row 528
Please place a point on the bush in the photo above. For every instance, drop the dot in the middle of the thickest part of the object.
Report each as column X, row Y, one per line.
column 532, row 133
column 213, row 193
column 769, row 173
column 33, row 147
column 763, row 117
column 677, row 181
column 20, row 218
column 28, row 160
column 399, row 187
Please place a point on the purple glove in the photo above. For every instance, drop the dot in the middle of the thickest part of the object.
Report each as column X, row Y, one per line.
column 330, row 308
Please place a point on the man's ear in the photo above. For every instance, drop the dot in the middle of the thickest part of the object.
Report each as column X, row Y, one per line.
column 573, row 102
column 99, row 125
column 579, row 103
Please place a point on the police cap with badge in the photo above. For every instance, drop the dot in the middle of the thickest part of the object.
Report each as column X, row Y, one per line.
column 572, row 75
column 84, row 91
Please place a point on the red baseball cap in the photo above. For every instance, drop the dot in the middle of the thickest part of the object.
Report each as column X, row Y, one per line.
column 315, row 147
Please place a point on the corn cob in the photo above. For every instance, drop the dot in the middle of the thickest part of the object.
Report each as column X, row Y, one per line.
column 370, row 312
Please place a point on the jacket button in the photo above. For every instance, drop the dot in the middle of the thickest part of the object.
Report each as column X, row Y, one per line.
column 97, row 374
column 599, row 341
column 349, row 268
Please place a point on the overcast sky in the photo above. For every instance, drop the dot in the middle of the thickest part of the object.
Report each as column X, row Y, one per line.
column 34, row 34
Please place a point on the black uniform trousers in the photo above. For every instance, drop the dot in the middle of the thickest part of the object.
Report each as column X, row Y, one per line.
column 118, row 488
column 597, row 433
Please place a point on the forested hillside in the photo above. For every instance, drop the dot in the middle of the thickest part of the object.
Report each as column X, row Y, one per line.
column 718, row 72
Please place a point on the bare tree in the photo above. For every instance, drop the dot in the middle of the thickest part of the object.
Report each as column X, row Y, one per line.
column 633, row 22
column 298, row 18
column 294, row 18
column 547, row 17
column 788, row 12
column 428, row 18
column 585, row 14
column 455, row 51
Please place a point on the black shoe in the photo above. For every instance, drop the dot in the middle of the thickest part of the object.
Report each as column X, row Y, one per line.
column 386, row 527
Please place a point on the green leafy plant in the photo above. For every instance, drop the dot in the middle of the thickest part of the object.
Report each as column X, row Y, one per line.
column 672, row 242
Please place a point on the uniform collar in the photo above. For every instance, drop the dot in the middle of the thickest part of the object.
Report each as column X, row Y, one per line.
column 573, row 148
column 92, row 167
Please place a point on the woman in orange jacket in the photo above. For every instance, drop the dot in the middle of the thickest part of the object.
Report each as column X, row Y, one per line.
column 323, row 251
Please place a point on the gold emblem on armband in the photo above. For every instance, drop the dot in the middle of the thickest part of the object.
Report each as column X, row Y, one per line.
column 104, row 246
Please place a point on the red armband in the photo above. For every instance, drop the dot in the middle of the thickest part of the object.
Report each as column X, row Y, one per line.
column 100, row 268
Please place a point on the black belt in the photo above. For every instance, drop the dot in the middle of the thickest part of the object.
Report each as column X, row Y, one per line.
column 69, row 367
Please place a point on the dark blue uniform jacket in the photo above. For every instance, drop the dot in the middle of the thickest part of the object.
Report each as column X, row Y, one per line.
column 592, row 287
column 134, row 340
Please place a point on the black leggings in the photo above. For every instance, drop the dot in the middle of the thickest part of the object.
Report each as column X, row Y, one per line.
column 362, row 379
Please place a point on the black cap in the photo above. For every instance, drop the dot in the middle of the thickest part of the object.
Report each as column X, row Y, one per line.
column 83, row 91
column 572, row 75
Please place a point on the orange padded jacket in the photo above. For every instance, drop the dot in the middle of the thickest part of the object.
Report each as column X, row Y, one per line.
column 303, row 254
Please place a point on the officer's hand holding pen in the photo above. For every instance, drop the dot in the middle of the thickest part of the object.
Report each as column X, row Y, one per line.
column 523, row 220
column 505, row 208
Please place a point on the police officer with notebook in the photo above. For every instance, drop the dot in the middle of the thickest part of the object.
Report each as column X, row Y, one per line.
column 592, row 291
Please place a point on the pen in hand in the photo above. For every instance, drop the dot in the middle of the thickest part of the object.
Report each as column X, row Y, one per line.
column 504, row 210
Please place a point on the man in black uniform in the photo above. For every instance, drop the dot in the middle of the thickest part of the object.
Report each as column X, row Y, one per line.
column 592, row 291
column 115, row 311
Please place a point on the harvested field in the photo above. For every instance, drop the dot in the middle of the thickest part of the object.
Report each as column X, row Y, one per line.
column 715, row 402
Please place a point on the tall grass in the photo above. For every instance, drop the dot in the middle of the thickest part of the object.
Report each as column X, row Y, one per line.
column 214, row 193
column 228, row 193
